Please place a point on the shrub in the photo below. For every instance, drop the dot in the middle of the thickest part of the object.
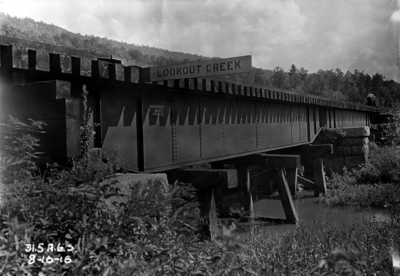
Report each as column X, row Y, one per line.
column 392, row 129
column 154, row 235
column 18, row 151
column 383, row 166
column 374, row 184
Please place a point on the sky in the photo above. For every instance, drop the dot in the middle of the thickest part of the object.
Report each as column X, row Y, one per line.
column 314, row 34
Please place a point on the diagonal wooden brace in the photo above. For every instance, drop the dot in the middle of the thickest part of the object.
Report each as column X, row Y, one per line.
column 306, row 183
column 285, row 195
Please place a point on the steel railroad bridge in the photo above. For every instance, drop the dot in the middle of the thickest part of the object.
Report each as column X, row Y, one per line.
column 166, row 126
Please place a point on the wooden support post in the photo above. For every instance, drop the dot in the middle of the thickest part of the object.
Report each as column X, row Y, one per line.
column 292, row 180
column 218, row 192
column 245, row 194
column 208, row 209
column 214, row 230
column 319, row 175
column 285, row 196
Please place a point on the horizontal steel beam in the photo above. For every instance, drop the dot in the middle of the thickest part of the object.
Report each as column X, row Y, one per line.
column 307, row 152
column 267, row 160
column 202, row 179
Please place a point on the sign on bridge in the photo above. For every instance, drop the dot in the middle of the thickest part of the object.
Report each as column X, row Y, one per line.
column 197, row 69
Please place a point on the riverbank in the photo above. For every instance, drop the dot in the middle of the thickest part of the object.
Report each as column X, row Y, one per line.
column 310, row 211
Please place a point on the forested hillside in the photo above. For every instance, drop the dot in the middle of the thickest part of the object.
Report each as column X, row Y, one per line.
column 351, row 86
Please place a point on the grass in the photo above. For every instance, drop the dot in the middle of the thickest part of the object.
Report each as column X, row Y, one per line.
column 158, row 234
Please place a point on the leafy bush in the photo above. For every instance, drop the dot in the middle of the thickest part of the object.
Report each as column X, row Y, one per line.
column 362, row 195
column 383, row 166
column 392, row 129
column 18, row 149
column 153, row 235
column 374, row 184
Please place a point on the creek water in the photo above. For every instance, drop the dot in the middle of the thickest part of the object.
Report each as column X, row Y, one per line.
column 309, row 210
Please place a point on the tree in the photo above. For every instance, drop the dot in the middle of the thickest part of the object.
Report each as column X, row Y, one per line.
column 316, row 84
column 8, row 30
column 280, row 78
column 135, row 54
column 294, row 78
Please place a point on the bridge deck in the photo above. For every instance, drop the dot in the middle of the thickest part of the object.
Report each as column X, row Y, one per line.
column 160, row 126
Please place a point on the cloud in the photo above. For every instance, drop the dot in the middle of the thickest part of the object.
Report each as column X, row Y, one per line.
column 315, row 34
column 395, row 17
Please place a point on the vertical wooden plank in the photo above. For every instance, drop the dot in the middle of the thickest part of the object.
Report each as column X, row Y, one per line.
column 204, row 81
column 214, row 86
column 208, row 209
column 319, row 175
column 221, row 87
column 214, row 230
column 112, row 72
column 76, row 66
column 245, row 190
column 55, row 63
column 246, row 91
column 228, row 88
column 240, row 90
column 6, row 56
column 218, row 192
column 285, row 196
column 31, row 59
column 95, row 69
column 234, row 89
column 250, row 91
column 292, row 180
column 127, row 74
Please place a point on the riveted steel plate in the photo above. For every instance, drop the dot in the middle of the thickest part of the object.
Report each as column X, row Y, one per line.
column 317, row 117
column 286, row 126
column 249, row 126
column 303, row 125
column 263, row 129
column 275, row 125
column 232, row 126
column 157, row 128
column 295, row 124
column 118, row 123
column 311, row 114
column 212, row 110
column 187, row 127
